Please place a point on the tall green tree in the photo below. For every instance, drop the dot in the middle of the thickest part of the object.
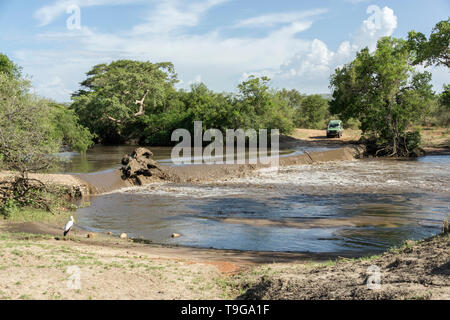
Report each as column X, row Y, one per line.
column 115, row 95
column 313, row 112
column 434, row 50
column 383, row 91
column 8, row 67
column 258, row 107
column 27, row 140
column 67, row 128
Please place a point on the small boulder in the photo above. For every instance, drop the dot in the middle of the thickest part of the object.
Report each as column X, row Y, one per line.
column 123, row 236
column 90, row 235
column 138, row 163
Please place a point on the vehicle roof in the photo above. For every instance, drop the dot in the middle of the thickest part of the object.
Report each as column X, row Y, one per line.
column 335, row 121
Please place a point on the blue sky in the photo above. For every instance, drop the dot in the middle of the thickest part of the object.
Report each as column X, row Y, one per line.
column 298, row 44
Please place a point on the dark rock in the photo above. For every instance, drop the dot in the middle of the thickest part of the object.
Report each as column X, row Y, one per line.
column 138, row 163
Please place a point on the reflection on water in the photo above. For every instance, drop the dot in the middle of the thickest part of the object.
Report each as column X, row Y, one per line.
column 370, row 222
column 101, row 158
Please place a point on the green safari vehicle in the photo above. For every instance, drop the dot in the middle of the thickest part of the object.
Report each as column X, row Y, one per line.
column 334, row 129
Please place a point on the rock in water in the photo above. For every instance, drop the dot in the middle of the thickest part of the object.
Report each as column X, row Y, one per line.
column 176, row 235
column 140, row 168
column 138, row 163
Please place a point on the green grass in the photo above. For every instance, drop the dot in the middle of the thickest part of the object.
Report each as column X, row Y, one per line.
column 8, row 236
column 36, row 215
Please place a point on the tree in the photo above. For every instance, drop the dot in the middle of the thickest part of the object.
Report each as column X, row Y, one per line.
column 27, row 140
column 213, row 109
column 115, row 95
column 442, row 114
column 8, row 67
column 432, row 51
column 32, row 130
column 67, row 129
column 257, row 107
column 27, row 144
column 313, row 112
column 444, row 98
column 383, row 91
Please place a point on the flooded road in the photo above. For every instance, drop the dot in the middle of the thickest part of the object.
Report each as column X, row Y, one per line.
column 102, row 158
column 350, row 206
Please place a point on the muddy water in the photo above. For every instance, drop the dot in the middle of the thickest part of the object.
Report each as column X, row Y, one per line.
column 102, row 158
column 350, row 206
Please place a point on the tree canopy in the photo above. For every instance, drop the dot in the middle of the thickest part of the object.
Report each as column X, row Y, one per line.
column 384, row 92
column 115, row 94
column 33, row 129
column 27, row 142
column 8, row 67
column 434, row 50
column 137, row 100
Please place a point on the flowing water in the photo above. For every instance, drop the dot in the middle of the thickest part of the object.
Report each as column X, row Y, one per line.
column 351, row 206
column 102, row 158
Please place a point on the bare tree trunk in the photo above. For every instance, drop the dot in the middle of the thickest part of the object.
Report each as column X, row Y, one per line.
column 113, row 120
column 141, row 105
column 140, row 112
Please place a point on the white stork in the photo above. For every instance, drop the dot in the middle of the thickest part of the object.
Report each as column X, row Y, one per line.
column 68, row 226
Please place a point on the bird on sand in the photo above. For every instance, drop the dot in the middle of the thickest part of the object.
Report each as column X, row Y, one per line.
column 68, row 225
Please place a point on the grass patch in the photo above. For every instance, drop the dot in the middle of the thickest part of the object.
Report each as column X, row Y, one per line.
column 28, row 214
column 8, row 236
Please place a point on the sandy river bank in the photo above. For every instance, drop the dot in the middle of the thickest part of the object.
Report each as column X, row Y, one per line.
column 36, row 264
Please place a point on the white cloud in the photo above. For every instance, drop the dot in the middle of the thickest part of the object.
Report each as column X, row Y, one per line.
column 47, row 14
column 196, row 80
column 311, row 67
column 357, row 1
column 271, row 20
column 382, row 22
column 48, row 89
column 170, row 15
column 220, row 62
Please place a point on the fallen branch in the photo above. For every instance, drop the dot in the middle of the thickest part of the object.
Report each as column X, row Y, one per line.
column 141, row 105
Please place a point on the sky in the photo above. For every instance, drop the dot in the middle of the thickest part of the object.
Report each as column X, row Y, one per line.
column 297, row 43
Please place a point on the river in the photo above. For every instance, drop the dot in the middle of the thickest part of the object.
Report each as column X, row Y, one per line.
column 352, row 207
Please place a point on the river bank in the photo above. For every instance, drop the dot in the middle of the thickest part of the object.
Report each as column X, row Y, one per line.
column 35, row 262
column 366, row 201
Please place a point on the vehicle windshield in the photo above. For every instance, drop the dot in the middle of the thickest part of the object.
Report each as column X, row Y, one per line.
column 333, row 125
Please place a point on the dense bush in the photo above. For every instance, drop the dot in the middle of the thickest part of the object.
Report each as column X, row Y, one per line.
column 385, row 93
column 408, row 145
column 130, row 100
column 32, row 132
